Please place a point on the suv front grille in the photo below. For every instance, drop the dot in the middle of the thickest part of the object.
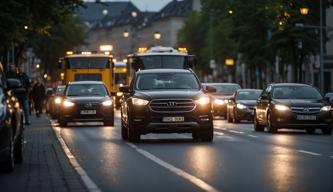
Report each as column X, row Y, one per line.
column 172, row 105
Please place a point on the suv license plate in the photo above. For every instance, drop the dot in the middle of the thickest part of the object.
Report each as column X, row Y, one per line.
column 88, row 112
column 173, row 119
column 306, row 117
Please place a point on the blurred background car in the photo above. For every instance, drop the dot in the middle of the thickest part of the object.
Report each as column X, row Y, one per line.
column 329, row 97
column 241, row 105
column 220, row 98
column 86, row 101
column 292, row 106
column 55, row 101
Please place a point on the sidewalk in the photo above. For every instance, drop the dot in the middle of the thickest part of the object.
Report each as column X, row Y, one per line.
column 45, row 166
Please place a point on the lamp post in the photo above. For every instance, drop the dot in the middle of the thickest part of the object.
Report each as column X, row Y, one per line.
column 305, row 11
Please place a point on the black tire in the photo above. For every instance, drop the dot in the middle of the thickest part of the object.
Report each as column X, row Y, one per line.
column 270, row 127
column 235, row 119
column 132, row 135
column 204, row 136
column 62, row 122
column 109, row 122
column 124, row 132
column 9, row 163
column 228, row 117
column 257, row 126
column 327, row 131
column 310, row 130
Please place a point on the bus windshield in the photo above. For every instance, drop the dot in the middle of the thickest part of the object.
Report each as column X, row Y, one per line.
column 163, row 61
column 88, row 63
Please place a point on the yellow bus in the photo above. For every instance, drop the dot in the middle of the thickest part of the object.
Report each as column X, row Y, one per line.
column 120, row 78
column 87, row 66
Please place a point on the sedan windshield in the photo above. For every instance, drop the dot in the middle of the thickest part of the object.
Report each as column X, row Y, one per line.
column 248, row 95
column 86, row 90
column 224, row 89
column 166, row 81
column 296, row 92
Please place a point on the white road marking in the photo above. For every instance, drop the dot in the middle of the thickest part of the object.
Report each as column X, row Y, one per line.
column 89, row 183
column 239, row 132
column 196, row 181
column 218, row 133
column 254, row 136
column 309, row 152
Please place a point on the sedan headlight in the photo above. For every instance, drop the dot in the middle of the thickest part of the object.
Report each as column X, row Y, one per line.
column 119, row 94
column 219, row 102
column 281, row 107
column 68, row 103
column 241, row 106
column 326, row 108
column 107, row 103
column 57, row 100
column 203, row 101
column 138, row 101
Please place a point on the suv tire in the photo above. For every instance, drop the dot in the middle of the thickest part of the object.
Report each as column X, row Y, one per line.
column 327, row 131
column 270, row 127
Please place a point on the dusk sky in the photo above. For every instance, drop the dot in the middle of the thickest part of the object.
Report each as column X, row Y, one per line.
column 146, row 5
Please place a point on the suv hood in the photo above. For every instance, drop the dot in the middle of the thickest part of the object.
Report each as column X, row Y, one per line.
column 170, row 94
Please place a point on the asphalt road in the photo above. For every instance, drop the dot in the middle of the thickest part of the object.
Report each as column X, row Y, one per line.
column 239, row 159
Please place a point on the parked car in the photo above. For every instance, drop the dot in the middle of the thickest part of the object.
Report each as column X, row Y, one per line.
column 166, row 101
column 11, row 124
column 241, row 105
column 55, row 101
column 292, row 106
column 221, row 97
column 86, row 101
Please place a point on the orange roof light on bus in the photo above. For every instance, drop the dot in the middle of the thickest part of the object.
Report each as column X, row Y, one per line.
column 86, row 53
column 182, row 49
column 229, row 62
column 142, row 49
column 105, row 47
column 107, row 52
column 69, row 53
column 125, row 60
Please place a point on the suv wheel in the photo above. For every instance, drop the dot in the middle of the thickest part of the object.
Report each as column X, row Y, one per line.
column 132, row 135
column 228, row 117
column 18, row 150
column 327, row 130
column 234, row 119
column 257, row 126
column 205, row 136
column 270, row 127
column 124, row 133
column 9, row 163
column 310, row 130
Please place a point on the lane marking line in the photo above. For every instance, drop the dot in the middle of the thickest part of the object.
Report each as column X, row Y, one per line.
column 87, row 181
column 196, row 181
column 239, row 132
column 218, row 133
column 309, row 152
column 254, row 136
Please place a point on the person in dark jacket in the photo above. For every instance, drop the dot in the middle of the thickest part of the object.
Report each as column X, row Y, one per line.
column 12, row 73
column 23, row 77
column 38, row 96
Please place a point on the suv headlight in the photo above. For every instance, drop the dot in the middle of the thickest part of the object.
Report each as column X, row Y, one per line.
column 240, row 106
column 281, row 107
column 203, row 101
column 107, row 103
column 57, row 100
column 326, row 108
column 68, row 103
column 140, row 102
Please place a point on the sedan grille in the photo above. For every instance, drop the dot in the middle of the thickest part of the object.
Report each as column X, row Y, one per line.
column 173, row 106
column 305, row 109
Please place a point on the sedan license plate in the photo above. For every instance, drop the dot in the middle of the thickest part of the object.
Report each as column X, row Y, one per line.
column 88, row 112
column 306, row 117
column 173, row 119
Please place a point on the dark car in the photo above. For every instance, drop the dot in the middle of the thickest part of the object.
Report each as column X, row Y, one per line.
column 241, row 105
column 166, row 101
column 220, row 98
column 55, row 101
column 11, row 124
column 86, row 101
column 292, row 106
column 329, row 96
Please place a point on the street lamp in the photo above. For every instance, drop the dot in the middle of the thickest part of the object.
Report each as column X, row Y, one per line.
column 157, row 35
column 126, row 34
column 305, row 11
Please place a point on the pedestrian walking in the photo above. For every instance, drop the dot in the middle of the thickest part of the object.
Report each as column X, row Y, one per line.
column 12, row 72
column 38, row 96
column 23, row 77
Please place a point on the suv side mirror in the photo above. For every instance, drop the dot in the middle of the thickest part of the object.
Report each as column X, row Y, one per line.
column 124, row 89
column 209, row 89
column 13, row 84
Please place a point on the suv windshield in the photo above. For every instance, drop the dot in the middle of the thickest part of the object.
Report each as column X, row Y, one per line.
column 166, row 81
column 295, row 92
column 165, row 61
column 86, row 90
column 248, row 95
